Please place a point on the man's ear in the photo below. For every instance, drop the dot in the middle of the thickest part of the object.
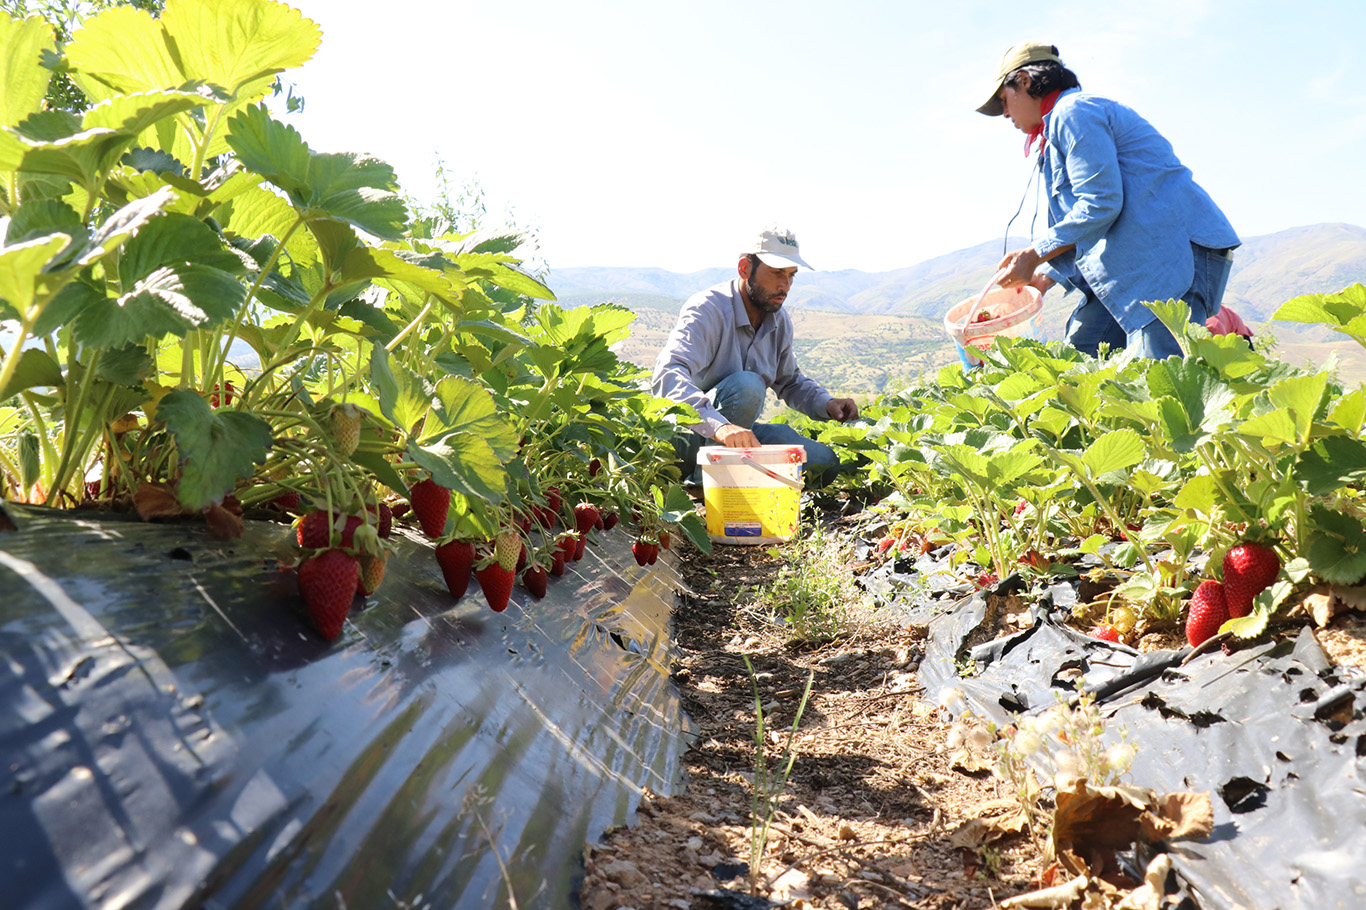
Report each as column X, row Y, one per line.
column 1023, row 82
column 742, row 267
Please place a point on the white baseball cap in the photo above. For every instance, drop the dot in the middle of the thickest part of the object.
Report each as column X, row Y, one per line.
column 777, row 248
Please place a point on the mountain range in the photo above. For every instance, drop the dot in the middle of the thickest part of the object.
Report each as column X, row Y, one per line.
column 900, row 312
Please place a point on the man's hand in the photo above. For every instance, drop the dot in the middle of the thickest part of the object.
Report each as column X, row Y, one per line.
column 736, row 437
column 1041, row 283
column 841, row 409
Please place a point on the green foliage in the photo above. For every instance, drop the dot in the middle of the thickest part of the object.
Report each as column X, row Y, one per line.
column 1044, row 451
column 188, row 290
column 813, row 592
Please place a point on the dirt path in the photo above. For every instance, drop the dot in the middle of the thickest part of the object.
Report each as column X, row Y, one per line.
column 866, row 816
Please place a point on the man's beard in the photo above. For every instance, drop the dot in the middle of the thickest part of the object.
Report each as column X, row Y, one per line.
column 763, row 301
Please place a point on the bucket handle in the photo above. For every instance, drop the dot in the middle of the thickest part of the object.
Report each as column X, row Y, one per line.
column 794, row 484
column 977, row 304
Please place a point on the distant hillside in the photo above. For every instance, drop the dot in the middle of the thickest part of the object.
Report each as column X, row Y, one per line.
column 1267, row 271
column 858, row 331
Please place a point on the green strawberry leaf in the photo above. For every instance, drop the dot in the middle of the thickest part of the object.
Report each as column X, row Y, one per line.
column 1115, row 451
column 1249, row 626
column 36, row 369
column 465, row 463
column 1337, row 310
column 403, row 397
column 357, row 189
column 239, row 43
column 43, row 218
column 23, row 43
column 272, row 149
column 216, row 447
column 22, row 276
column 1331, row 463
column 1337, row 546
column 170, row 301
column 465, row 406
column 1349, row 411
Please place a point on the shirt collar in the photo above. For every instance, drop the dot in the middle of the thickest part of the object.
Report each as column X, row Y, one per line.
column 1045, row 108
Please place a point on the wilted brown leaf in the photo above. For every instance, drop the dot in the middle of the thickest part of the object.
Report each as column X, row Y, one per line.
column 1179, row 815
column 156, row 500
column 1054, row 898
column 994, row 820
column 223, row 523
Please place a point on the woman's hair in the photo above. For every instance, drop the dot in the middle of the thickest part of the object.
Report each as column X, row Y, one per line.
column 1044, row 77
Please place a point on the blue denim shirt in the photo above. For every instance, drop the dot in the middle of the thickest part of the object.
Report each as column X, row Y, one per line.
column 713, row 339
column 1117, row 190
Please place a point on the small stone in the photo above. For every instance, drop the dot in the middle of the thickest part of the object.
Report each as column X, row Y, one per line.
column 623, row 872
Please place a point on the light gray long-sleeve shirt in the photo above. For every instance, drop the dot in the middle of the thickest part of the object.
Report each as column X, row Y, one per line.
column 713, row 339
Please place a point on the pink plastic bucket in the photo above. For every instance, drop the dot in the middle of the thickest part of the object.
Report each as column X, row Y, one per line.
column 1017, row 312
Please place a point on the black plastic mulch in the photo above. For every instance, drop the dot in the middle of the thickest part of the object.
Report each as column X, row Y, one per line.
column 1273, row 732
column 174, row 734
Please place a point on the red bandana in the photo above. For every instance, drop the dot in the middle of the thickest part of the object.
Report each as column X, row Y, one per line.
column 1045, row 107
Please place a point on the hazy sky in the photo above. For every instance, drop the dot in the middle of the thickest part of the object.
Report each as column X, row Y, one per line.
column 663, row 134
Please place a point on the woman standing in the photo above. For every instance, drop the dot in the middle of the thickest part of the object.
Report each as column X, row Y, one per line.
column 1126, row 221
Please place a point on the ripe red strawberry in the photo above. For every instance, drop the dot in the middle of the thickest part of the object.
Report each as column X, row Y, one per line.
column 665, row 540
column 288, row 501
column 312, row 530
column 372, row 572
column 227, row 394
column 641, row 551
column 1249, row 569
column 594, row 467
column 609, row 521
column 535, row 580
column 523, row 521
column 1105, row 632
column 654, row 553
column 328, row 583
column 566, row 545
column 386, row 520
column 456, row 558
column 553, row 499
column 345, row 420
column 885, row 544
column 557, row 563
column 507, row 548
column 586, row 516
column 315, row 530
column 496, row 583
column 1208, row 611
column 580, row 543
column 431, row 502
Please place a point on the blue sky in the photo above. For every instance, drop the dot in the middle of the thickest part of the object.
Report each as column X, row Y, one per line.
column 652, row 134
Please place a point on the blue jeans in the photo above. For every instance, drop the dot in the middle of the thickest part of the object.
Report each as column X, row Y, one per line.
column 740, row 399
column 1091, row 324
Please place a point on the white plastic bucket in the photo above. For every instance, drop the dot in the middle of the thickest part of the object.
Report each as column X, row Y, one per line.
column 752, row 496
column 1015, row 311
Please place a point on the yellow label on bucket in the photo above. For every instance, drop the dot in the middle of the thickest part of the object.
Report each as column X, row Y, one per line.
column 748, row 512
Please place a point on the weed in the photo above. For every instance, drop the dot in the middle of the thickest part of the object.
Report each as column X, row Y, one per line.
column 768, row 781
column 1068, row 741
column 813, row 591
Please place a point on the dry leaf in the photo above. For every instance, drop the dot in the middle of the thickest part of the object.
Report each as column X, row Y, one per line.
column 1321, row 606
column 969, row 762
column 995, row 820
column 156, row 500
column 223, row 523
column 1106, row 817
column 1148, row 896
column 1056, row 897
column 1179, row 815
